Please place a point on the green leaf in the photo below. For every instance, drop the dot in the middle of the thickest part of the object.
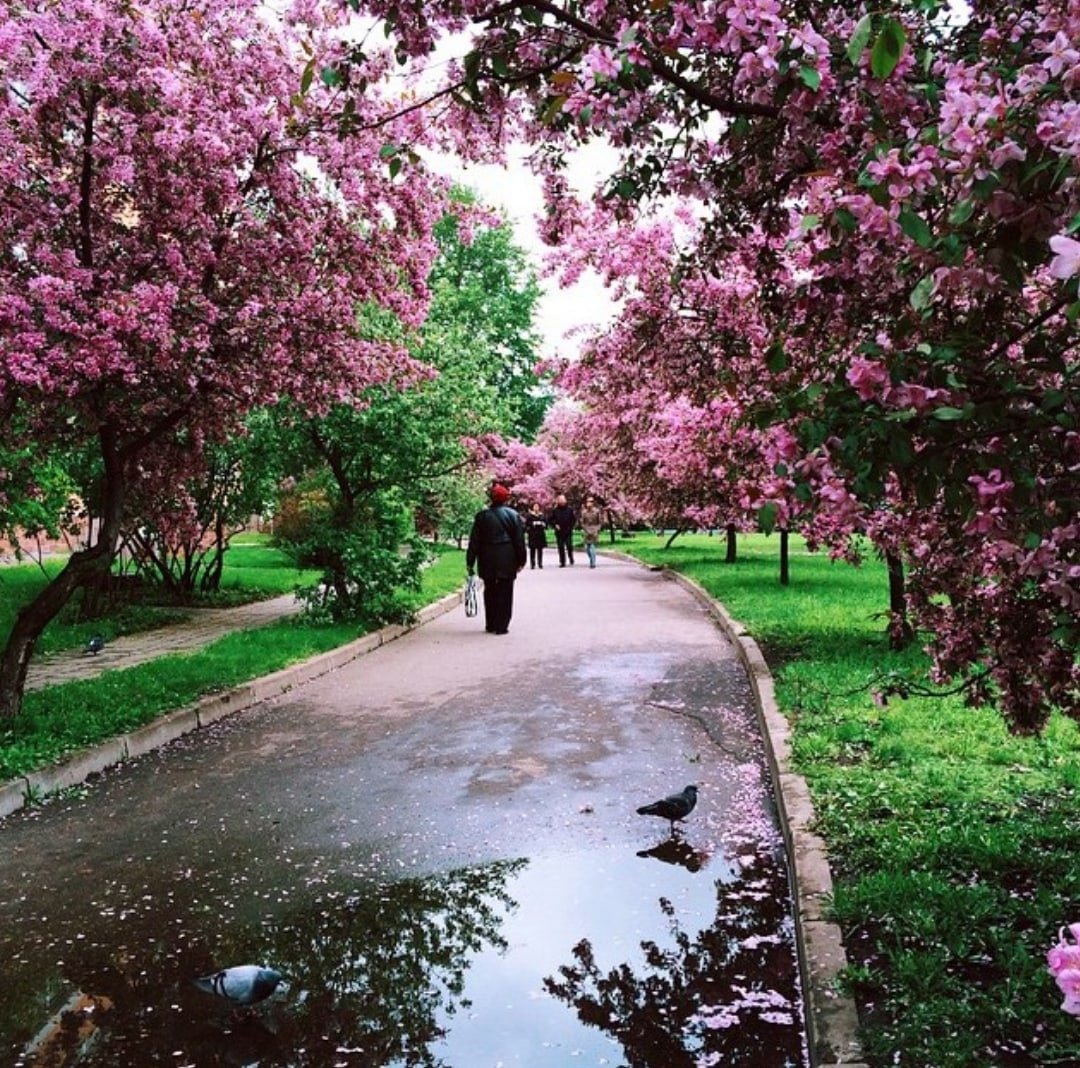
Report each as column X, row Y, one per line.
column 809, row 222
column 962, row 212
column 949, row 415
column 776, row 358
column 923, row 293
column 389, row 150
column 887, row 50
column 330, row 77
column 499, row 66
column 811, row 77
column 845, row 220
column 395, row 166
column 767, row 517
column 916, row 227
column 552, row 109
column 307, row 77
column 860, row 38
column 1074, row 224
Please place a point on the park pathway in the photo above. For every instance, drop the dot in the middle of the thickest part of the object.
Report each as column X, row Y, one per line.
column 437, row 843
column 205, row 626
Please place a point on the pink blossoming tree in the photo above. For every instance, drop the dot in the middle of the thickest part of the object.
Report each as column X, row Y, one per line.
column 909, row 181
column 193, row 211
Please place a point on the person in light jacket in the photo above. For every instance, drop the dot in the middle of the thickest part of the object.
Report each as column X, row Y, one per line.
column 497, row 552
column 591, row 519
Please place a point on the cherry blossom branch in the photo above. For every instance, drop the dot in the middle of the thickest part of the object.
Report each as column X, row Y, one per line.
column 659, row 67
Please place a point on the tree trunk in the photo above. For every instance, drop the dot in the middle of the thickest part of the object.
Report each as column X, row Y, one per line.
column 900, row 630
column 674, row 534
column 82, row 569
column 785, row 567
column 730, row 557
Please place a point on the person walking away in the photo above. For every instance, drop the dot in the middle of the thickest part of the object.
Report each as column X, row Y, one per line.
column 536, row 529
column 592, row 519
column 563, row 520
column 497, row 551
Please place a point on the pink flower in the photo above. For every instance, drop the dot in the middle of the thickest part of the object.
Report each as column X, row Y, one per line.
column 867, row 377
column 1063, row 963
column 1066, row 261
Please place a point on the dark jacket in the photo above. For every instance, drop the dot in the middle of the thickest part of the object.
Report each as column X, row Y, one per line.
column 563, row 520
column 497, row 544
column 536, row 526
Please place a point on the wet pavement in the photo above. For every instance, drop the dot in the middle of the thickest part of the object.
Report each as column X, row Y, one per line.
column 437, row 845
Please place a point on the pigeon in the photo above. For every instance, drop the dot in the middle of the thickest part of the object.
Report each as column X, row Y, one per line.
column 95, row 644
column 244, row 984
column 675, row 807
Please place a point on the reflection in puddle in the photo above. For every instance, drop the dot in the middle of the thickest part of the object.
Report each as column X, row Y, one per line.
column 369, row 976
column 601, row 956
column 725, row 995
column 674, row 850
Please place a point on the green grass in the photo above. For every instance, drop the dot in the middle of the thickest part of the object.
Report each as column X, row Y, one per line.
column 954, row 846
column 58, row 720
column 253, row 571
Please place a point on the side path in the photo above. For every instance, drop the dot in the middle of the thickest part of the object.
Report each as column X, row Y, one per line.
column 205, row 626
column 831, row 1018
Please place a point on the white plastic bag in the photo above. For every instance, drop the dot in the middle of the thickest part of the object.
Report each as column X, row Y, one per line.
column 470, row 596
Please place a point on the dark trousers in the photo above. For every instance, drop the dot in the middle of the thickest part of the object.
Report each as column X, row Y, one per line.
column 498, row 604
column 536, row 556
column 566, row 546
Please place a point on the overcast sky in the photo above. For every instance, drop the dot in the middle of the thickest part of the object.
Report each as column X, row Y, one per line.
column 516, row 191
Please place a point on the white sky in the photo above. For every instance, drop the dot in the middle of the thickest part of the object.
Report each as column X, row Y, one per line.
column 516, row 191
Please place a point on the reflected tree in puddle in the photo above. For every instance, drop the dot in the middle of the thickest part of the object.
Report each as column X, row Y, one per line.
column 728, row 995
column 369, row 975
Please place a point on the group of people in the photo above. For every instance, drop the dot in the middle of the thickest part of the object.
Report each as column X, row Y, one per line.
column 498, row 540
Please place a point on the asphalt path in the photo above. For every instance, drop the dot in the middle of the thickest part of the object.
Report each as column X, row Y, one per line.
column 438, row 844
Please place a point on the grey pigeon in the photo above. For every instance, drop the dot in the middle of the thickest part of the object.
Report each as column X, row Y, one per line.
column 244, row 984
column 95, row 644
column 675, row 807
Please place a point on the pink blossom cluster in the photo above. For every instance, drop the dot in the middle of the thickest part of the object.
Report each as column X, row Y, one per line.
column 1063, row 962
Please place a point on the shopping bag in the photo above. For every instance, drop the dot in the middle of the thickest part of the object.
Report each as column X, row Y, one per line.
column 470, row 596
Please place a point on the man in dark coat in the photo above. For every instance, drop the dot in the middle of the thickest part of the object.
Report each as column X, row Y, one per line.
column 497, row 551
column 563, row 519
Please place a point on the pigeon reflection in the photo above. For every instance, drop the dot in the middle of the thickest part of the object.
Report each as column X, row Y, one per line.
column 677, row 851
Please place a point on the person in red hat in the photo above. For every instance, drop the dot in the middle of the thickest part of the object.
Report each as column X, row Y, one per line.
column 497, row 551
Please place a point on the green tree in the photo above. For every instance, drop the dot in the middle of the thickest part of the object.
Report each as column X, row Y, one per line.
column 484, row 299
column 399, row 454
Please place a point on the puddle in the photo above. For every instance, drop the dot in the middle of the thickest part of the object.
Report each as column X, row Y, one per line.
column 661, row 957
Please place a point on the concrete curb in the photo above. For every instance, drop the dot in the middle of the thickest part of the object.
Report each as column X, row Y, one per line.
column 24, row 790
column 832, row 1021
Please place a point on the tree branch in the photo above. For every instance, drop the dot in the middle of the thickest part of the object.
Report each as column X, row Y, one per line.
column 658, row 66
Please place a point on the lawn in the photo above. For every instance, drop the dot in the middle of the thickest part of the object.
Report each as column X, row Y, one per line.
column 253, row 570
column 954, row 845
column 60, row 719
